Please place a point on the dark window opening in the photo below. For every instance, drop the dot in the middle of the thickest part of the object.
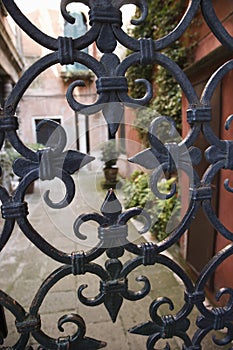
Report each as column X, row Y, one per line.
column 46, row 133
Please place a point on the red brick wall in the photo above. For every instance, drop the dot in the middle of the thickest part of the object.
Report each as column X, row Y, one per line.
column 208, row 56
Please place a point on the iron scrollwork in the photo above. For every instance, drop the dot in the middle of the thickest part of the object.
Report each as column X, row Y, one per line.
column 112, row 234
column 112, row 86
column 164, row 327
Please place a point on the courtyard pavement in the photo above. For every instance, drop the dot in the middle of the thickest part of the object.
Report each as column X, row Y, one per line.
column 23, row 268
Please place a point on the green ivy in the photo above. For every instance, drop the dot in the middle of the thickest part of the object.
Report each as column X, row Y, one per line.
column 138, row 193
column 162, row 18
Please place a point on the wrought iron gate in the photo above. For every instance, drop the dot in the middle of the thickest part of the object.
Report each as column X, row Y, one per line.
column 46, row 164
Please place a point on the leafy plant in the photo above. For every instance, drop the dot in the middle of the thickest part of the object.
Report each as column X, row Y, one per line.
column 162, row 18
column 13, row 154
column 7, row 156
column 5, row 163
column 35, row 146
column 6, row 172
column 138, row 193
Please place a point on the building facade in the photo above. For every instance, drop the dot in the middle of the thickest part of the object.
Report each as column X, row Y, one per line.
column 11, row 68
column 11, row 62
column 45, row 98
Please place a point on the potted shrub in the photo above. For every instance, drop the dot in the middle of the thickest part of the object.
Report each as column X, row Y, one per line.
column 110, row 155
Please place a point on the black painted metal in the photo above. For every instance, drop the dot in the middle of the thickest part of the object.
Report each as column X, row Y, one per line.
column 111, row 84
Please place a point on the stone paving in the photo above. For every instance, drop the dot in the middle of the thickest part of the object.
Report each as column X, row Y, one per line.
column 23, row 268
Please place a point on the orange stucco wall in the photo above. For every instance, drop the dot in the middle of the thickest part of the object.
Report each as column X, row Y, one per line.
column 223, row 274
column 133, row 145
column 209, row 51
column 207, row 41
